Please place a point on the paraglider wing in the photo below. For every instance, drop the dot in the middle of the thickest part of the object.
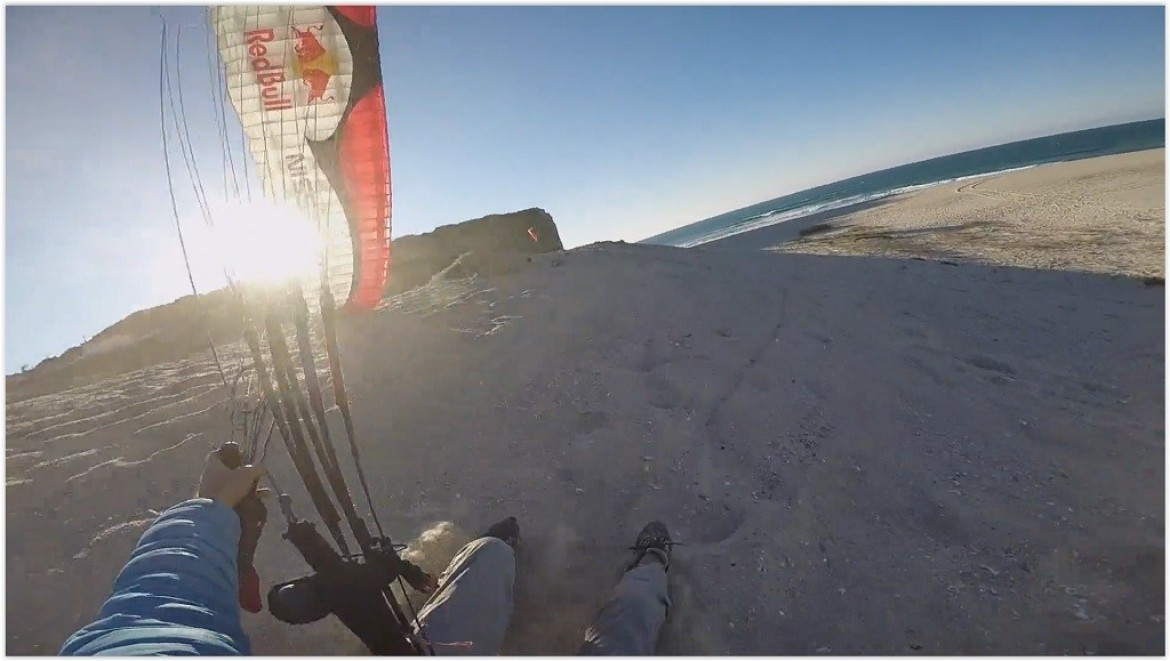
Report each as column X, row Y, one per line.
column 307, row 85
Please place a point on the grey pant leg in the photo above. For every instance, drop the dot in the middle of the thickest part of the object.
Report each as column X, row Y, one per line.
column 473, row 603
column 628, row 624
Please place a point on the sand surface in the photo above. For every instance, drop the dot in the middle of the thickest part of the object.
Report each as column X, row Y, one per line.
column 1099, row 215
column 863, row 454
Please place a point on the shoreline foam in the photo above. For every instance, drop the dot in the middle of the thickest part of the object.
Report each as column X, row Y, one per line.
column 1103, row 215
column 844, row 204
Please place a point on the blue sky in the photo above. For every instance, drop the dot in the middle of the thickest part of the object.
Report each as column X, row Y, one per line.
column 623, row 122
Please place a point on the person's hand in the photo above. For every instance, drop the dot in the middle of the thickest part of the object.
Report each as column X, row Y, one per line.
column 228, row 486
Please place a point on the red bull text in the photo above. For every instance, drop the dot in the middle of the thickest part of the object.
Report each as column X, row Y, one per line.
column 269, row 74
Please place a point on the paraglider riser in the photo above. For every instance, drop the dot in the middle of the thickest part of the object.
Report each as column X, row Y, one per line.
column 355, row 589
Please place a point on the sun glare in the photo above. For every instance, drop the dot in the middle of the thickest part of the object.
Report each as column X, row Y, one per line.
column 266, row 244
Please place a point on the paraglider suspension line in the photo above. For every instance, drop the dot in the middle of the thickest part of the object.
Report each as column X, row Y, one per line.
column 162, row 78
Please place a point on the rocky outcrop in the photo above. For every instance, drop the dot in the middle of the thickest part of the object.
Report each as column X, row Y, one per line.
column 492, row 244
column 491, row 241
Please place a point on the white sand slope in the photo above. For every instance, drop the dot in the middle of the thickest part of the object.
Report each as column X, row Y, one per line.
column 862, row 455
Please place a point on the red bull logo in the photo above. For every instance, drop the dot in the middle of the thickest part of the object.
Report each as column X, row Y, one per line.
column 314, row 65
column 269, row 74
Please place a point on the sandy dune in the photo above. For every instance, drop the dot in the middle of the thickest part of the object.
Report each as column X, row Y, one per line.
column 863, row 455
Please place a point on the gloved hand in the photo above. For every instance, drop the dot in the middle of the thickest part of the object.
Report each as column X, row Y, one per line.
column 227, row 485
column 225, row 480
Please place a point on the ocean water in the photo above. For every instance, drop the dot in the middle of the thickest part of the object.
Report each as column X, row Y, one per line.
column 1021, row 155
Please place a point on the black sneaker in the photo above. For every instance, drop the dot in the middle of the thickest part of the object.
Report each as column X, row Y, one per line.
column 653, row 545
column 507, row 530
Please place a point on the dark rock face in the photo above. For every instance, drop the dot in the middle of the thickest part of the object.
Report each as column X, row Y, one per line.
column 496, row 238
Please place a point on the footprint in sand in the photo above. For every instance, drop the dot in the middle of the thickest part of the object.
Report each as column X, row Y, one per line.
column 650, row 359
column 913, row 332
column 920, row 365
column 662, row 394
column 588, row 422
column 714, row 521
column 990, row 364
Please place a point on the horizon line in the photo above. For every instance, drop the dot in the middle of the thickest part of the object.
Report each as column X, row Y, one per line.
column 900, row 165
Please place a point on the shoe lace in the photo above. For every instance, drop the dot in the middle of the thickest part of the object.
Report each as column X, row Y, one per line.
column 655, row 543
